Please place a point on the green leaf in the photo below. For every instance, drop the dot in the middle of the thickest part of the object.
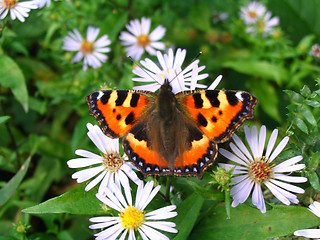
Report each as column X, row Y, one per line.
column 314, row 181
column 3, row 119
column 308, row 115
column 259, row 69
column 75, row 201
column 300, row 17
column 202, row 20
column 313, row 103
column 296, row 97
column 206, row 193
column 188, row 213
column 305, row 91
column 249, row 223
column 12, row 77
column 9, row 189
column 301, row 125
column 267, row 97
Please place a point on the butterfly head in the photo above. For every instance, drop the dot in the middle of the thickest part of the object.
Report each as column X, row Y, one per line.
column 166, row 87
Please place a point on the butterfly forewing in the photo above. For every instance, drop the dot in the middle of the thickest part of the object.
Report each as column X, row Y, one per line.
column 118, row 110
column 217, row 113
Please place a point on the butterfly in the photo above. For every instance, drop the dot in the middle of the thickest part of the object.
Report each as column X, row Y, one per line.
column 167, row 133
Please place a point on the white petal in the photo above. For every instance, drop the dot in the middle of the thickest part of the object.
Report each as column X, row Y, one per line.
column 86, row 174
column 215, row 83
column 308, row 233
column 87, row 154
column 282, row 167
column 239, row 154
column 166, row 209
column 231, row 156
column 257, row 198
column 110, row 201
column 241, row 146
column 83, row 162
column 161, row 226
column 272, row 141
column 293, row 179
column 315, row 208
column 279, row 148
column 153, row 234
column 95, row 181
column 288, row 186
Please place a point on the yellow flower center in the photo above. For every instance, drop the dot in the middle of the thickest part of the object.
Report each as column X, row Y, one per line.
column 260, row 170
column 252, row 14
column 10, row 3
column 112, row 162
column 131, row 218
column 86, row 47
column 143, row 40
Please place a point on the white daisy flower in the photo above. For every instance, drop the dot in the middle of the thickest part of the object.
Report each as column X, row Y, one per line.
column 170, row 68
column 264, row 25
column 132, row 218
column 256, row 169
column 139, row 40
column 17, row 9
column 315, row 51
column 91, row 50
column 110, row 166
column 310, row 233
column 252, row 12
column 219, row 16
column 42, row 3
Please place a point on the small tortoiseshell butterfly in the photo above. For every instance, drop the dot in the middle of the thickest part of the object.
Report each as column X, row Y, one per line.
column 170, row 133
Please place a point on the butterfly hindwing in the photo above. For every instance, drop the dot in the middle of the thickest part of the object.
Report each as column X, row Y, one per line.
column 193, row 153
column 218, row 113
column 118, row 110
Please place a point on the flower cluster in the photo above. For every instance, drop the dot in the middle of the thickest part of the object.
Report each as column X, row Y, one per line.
column 258, row 19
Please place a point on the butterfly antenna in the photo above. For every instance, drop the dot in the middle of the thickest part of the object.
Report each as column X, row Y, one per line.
column 140, row 66
column 195, row 58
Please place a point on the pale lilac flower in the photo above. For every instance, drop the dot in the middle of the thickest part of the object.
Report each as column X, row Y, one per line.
column 315, row 51
column 42, row 3
column 89, row 49
column 16, row 9
column 110, row 167
column 252, row 12
column 138, row 39
column 219, row 16
column 264, row 25
column 170, row 68
column 255, row 169
column 133, row 217
column 310, row 233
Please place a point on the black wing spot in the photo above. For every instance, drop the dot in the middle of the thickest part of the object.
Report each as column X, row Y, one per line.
column 232, row 98
column 202, row 120
column 129, row 118
column 114, row 110
column 198, row 102
column 214, row 119
column 195, row 134
column 213, row 98
column 122, row 95
column 118, row 117
column 220, row 112
column 105, row 97
column 134, row 100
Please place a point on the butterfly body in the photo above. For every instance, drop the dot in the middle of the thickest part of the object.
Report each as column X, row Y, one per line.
column 170, row 133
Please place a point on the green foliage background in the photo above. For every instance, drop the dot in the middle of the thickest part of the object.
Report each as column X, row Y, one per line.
column 43, row 110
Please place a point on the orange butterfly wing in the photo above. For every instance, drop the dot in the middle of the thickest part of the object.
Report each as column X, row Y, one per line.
column 218, row 113
column 118, row 110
